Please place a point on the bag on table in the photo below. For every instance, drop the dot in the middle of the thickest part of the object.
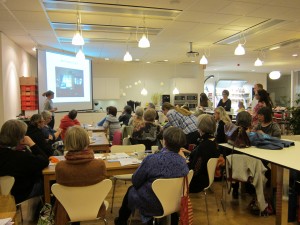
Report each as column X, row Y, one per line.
column 186, row 209
column 236, row 136
column 46, row 216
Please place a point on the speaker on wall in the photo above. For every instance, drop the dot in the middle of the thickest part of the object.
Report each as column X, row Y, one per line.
column 165, row 98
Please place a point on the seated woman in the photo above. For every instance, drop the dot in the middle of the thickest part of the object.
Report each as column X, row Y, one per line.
column 79, row 169
column 50, row 134
column 35, row 132
column 265, row 123
column 126, row 115
column 222, row 119
column 137, row 121
column 68, row 121
column 150, row 133
column 111, row 121
column 206, row 149
column 182, row 119
column 23, row 163
column 166, row 164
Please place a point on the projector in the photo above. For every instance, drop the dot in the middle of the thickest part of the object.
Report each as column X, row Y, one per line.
column 192, row 54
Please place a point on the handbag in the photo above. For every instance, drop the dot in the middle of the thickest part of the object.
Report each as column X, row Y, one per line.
column 236, row 136
column 186, row 209
column 46, row 216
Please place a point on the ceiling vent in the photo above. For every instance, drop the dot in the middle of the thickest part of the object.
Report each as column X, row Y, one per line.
column 288, row 43
column 191, row 53
column 254, row 30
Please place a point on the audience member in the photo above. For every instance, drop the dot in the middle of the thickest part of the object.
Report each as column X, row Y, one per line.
column 48, row 105
column 126, row 115
column 225, row 102
column 255, row 89
column 152, row 106
column 35, row 132
column 183, row 119
column 137, row 120
column 263, row 101
column 23, row 163
column 111, row 121
column 204, row 101
column 100, row 124
column 50, row 134
column 165, row 164
column 68, row 121
column 206, row 149
column 79, row 169
column 222, row 119
column 150, row 133
column 265, row 123
column 241, row 106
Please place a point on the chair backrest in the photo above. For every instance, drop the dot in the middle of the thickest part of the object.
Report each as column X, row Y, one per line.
column 82, row 203
column 211, row 168
column 127, row 148
column 169, row 192
column 117, row 138
column 126, row 141
column 127, row 131
column 6, row 184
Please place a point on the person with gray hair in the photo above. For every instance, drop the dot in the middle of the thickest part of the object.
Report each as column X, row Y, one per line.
column 23, row 163
column 152, row 106
column 137, row 120
column 206, row 149
column 50, row 134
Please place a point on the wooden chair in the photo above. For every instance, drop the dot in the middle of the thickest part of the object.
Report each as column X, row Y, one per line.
column 124, row 177
column 83, row 203
column 6, row 184
column 7, row 201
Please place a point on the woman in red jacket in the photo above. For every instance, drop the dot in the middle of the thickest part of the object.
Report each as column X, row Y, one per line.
column 68, row 121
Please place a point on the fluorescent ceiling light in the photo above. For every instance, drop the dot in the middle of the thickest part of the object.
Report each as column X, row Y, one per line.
column 275, row 47
column 274, row 75
column 203, row 60
column 240, row 50
column 258, row 62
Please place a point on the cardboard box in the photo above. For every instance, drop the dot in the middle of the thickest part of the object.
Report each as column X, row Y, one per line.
column 28, row 81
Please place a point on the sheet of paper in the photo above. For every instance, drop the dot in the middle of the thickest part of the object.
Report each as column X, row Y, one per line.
column 116, row 156
column 99, row 156
column 129, row 161
column 6, row 221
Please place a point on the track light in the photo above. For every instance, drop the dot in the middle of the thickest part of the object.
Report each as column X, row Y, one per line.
column 203, row 60
column 240, row 50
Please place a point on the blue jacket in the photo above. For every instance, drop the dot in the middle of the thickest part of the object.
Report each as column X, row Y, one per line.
column 165, row 164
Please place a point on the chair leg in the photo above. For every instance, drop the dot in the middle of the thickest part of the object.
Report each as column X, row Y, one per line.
column 113, row 195
column 223, row 197
column 206, row 207
column 105, row 221
column 19, row 207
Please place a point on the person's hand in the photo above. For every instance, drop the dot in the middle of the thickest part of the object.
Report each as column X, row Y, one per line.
column 181, row 153
column 27, row 141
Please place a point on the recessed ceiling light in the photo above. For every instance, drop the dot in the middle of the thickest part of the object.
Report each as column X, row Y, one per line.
column 135, row 83
column 192, row 61
column 34, row 49
column 253, row 70
column 137, row 60
column 148, row 62
column 295, row 55
column 166, row 60
column 106, row 59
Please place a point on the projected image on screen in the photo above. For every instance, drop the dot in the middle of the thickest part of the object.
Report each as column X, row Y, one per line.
column 69, row 82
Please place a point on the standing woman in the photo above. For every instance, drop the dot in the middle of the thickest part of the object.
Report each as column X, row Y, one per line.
column 225, row 102
column 48, row 105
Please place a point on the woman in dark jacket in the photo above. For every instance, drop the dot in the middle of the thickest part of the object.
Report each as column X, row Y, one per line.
column 35, row 132
column 225, row 102
column 206, row 149
column 22, row 159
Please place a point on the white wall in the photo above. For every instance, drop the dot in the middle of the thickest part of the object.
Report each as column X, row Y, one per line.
column 156, row 78
column 15, row 62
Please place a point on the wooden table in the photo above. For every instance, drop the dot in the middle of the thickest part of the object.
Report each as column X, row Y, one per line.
column 100, row 143
column 112, row 168
column 96, row 129
column 285, row 158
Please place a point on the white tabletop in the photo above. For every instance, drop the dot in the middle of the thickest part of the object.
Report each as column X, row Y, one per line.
column 287, row 157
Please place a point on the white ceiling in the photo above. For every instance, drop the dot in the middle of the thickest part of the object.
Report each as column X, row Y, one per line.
column 34, row 22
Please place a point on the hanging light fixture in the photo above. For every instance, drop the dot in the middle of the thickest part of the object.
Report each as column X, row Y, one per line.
column 144, row 41
column 127, row 57
column 203, row 60
column 77, row 38
column 80, row 57
column 258, row 62
column 144, row 92
column 175, row 91
column 240, row 50
column 274, row 75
